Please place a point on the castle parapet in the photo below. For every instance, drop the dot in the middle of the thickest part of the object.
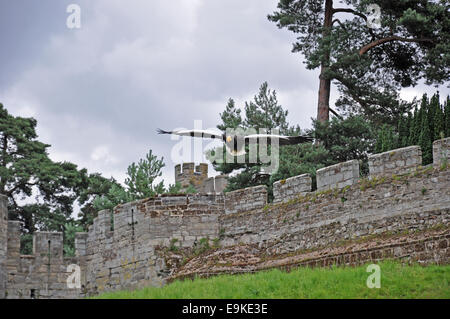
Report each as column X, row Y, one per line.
column 80, row 244
column 398, row 161
column 338, row 176
column 101, row 227
column 208, row 186
column 189, row 174
column 287, row 189
column 441, row 152
column 245, row 199
column 48, row 245
column 220, row 183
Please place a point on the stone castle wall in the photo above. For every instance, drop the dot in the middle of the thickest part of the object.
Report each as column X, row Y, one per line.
column 291, row 187
column 125, row 257
column 122, row 248
column 197, row 176
column 43, row 274
column 441, row 152
column 245, row 199
column 399, row 161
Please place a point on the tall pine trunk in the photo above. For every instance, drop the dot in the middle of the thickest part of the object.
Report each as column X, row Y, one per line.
column 325, row 83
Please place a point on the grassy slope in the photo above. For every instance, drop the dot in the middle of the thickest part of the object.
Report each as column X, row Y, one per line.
column 397, row 281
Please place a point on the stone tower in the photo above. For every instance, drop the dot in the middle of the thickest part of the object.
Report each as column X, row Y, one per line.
column 189, row 174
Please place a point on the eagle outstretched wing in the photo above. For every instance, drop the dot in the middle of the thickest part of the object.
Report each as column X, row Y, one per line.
column 282, row 139
column 195, row 133
column 236, row 144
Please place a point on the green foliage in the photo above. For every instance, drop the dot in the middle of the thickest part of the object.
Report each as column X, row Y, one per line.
column 173, row 244
column 386, row 139
column 174, row 188
column 447, row 117
column 191, row 189
column 142, row 175
column 96, row 193
column 427, row 124
column 115, row 196
column 231, row 117
column 71, row 229
column 41, row 193
column 263, row 112
column 341, row 140
column 397, row 281
column 351, row 138
column 201, row 246
column 140, row 184
column 369, row 78
column 26, row 244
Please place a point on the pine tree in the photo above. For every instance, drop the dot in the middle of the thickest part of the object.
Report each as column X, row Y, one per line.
column 408, row 130
column 425, row 142
column 431, row 111
column 415, row 126
column 231, row 117
column 447, row 117
column 439, row 119
column 410, row 44
column 403, row 132
column 379, row 142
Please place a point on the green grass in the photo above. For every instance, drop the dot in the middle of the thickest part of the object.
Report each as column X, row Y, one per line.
column 397, row 281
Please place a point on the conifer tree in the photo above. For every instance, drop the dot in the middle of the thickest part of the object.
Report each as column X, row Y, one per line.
column 433, row 107
column 447, row 116
column 369, row 64
column 438, row 127
column 425, row 142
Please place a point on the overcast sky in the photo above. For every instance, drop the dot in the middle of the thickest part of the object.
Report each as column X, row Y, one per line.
column 99, row 92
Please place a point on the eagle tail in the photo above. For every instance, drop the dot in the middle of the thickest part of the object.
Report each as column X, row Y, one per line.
column 163, row 132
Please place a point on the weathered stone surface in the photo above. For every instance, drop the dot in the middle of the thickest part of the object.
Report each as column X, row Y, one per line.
column 441, row 152
column 425, row 248
column 220, row 182
column 338, row 176
column 197, row 176
column 209, row 185
column 189, row 174
column 292, row 187
column 245, row 199
column 399, row 161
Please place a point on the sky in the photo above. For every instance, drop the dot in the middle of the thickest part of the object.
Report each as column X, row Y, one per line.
column 100, row 92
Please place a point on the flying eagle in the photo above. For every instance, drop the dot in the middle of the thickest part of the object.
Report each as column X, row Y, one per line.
column 235, row 144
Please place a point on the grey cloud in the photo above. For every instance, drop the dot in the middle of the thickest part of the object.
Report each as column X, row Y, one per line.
column 100, row 92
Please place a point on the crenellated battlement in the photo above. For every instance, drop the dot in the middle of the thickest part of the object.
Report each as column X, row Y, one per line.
column 291, row 187
column 189, row 174
column 197, row 176
column 122, row 248
column 44, row 273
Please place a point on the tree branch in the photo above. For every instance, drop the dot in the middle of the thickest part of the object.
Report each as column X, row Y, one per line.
column 356, row 13
column 375, row 43
column 338, row 21
column 335, row 113
column 348, row 10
